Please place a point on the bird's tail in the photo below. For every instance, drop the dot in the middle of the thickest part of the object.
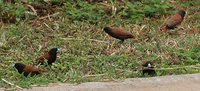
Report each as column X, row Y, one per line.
column 43, row 70
column 164, row 29
column 135, row 37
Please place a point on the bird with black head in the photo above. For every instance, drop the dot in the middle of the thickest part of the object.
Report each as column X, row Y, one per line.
column 50, row 56
column 174, row 21
column 149, row 68
column 28, row 69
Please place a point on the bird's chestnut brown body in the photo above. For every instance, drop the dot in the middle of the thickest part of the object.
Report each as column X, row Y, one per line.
column 50, row 56
column 175, row 20
column 28, row 69
column 118, row 33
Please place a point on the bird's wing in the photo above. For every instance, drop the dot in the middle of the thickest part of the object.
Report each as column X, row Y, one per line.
column 120, row 32
column 42, row 58
column 31, row 69
column 174, row 20
column 35, row 70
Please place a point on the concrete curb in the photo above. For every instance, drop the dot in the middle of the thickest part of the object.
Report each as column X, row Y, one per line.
column 189, row 82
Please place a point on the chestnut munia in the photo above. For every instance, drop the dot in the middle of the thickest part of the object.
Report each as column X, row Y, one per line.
column 28, row 69
column 174, row 20
column 118, row 33
column 50, row 56
column 148, row 68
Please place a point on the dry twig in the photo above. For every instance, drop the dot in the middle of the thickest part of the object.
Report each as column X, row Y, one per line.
column 95, row 75
column 11, row 84
column 32, row 8
column 85, row 39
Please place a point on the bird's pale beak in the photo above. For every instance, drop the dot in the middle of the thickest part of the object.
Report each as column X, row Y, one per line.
column 149, row 65
column 58, row 49
column 13, row 65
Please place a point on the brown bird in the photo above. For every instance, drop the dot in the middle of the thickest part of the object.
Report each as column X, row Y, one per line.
column 149, row 68
column 174, row 20
column 28, row 69
column 50, row 56
column 118, row 33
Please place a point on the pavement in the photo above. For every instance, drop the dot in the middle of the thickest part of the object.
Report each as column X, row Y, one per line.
column 188, row 82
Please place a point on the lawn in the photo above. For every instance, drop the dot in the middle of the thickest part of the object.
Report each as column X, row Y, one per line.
column 29, row 29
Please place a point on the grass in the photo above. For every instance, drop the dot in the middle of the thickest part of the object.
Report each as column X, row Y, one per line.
column 88, row 54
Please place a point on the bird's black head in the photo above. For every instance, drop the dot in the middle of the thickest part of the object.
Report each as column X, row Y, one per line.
column 182, row 13
column 148, row 64
column 20, row 67
column 54, row 51
column 106, row 29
